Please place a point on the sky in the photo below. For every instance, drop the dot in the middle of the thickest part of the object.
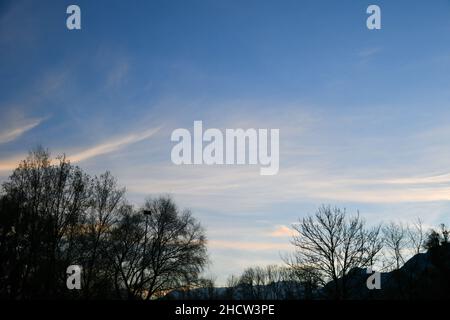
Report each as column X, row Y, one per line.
column 364, row 115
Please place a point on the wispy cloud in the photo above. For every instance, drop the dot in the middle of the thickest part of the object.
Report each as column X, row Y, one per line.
column 101, row 149
column 117, row 75
column 369, row 52
column 249, row 246
column 14, row 133
column 113, row 145
column 241, row 188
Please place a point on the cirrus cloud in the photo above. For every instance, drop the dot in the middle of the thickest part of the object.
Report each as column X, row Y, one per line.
column 103, row 148
column 112, row 145
column 14, row 133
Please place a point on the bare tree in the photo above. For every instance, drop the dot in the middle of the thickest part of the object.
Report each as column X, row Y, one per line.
column 161, row 250
column 231, row 290
column 253, row 282
column 176, row 247
column 125, row 253
column 396, row 243
column 273, row 282
column 276, row 279
column 204, row 289
column 53, row 215
column 262, row 283
column 41, row 207
column 305, row 281
column 374, row 244
column 333, row 244
column 416, row 236
column 106, row 201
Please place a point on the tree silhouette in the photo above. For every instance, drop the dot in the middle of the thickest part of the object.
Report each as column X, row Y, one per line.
column 395, row 239
column 53, row 215
column 332, row 245
column 155, row 252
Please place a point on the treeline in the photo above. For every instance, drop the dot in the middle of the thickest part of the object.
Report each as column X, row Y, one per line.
column 272, row 282
column 330, row 261
column 53, row 215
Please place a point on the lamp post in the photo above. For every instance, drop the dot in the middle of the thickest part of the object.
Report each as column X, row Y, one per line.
column 147, row 214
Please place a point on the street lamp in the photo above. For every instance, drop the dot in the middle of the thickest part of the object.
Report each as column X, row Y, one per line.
column 147, row 213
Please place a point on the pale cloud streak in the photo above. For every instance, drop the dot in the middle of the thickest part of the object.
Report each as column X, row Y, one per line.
column 101, row 149
column 112, row 145
column 249, row 246
column 241, row 188
column 14, row 133
column 369, row 52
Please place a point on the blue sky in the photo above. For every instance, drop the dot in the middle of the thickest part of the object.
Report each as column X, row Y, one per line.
column 363, row 115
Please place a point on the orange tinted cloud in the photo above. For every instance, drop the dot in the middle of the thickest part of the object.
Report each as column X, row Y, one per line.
column 283, row 231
